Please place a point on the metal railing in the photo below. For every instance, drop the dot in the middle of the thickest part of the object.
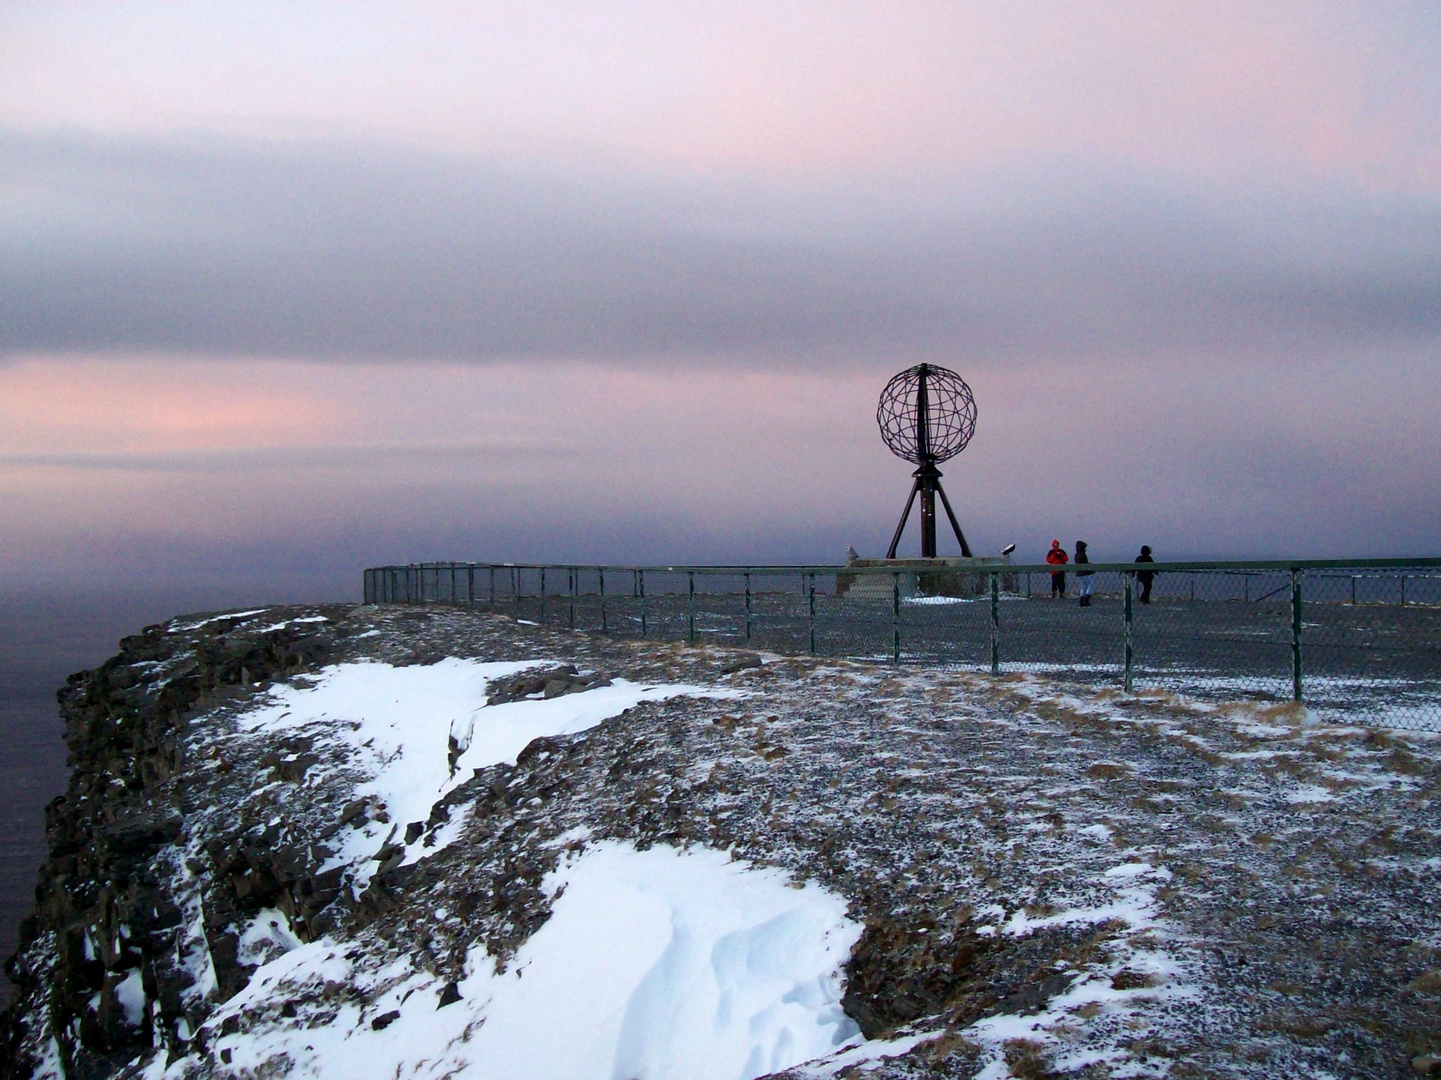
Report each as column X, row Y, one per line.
column 1356, row 640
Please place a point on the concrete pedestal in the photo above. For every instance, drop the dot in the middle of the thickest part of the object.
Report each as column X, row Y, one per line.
column 924, row 577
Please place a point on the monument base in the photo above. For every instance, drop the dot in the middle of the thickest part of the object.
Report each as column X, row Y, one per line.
column 919, row 577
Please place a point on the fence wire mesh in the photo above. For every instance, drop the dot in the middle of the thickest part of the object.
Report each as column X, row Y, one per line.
column 1354, row 641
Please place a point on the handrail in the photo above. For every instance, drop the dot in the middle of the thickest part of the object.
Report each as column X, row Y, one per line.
column 1266, row 565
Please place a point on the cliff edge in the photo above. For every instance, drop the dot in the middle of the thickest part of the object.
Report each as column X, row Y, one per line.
column 345, row 841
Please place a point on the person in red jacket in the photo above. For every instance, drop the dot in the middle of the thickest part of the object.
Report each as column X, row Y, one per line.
column 1057, row 557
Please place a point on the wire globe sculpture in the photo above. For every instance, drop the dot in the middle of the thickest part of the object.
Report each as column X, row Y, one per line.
column 949, row 420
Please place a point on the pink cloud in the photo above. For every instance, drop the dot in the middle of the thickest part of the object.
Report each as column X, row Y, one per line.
column 69, row 405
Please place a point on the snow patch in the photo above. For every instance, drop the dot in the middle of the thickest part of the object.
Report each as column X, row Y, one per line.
column 267, row 936
column 292, row 622
column 1153, row 975
column 178, row 628
column 1307, row 794
column 130, row 993
column 398, row 723
column 659, row 963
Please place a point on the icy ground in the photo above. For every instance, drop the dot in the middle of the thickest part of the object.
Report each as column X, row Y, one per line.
column 677, row 862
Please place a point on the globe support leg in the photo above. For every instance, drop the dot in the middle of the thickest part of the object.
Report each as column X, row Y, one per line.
column 905, row 514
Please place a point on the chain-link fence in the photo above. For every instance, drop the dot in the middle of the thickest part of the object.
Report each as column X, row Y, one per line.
column 1357, row 640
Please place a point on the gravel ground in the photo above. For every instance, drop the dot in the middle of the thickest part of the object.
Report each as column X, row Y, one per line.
column 1054, row 882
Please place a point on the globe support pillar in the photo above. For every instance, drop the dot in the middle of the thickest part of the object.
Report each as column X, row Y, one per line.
column 926, row 480
column 928, row 486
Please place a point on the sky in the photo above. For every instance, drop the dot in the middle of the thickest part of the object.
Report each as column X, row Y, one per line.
column 287, row 290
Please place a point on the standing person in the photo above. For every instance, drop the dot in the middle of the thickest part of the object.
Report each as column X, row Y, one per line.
column 1084, row 584
column 1057, row 557
column 1145, row 577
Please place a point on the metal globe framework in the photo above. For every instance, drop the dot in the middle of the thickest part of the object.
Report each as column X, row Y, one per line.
column 927, row 415
column 950, row 414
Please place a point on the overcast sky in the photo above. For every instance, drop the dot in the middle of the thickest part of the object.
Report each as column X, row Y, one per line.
column 291, row 289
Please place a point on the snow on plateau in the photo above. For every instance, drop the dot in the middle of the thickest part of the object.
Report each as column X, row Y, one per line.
column 657, row 963
column 400, row 723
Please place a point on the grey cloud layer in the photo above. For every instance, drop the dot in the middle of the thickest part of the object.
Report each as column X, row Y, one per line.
column 240, row 247
column 492, row 453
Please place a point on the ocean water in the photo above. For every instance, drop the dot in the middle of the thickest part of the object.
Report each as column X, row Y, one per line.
column 44, row 636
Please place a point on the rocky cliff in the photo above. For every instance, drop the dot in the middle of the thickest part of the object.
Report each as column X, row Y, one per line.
column 346, row 841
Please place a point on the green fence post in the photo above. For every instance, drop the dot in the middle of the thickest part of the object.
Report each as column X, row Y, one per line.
column 749, row 615
column 896, row 617
column 600, row 570
column 542, row 596
column 995, row 624
column 1126, row 608
column 690, row 604
column 1295, row 634
column 640, row 591
column 470, row 585
column 492, row 587
column 811, row 596
column 573, row 573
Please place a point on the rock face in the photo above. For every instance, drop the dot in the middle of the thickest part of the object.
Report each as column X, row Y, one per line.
column 102, row 915
column 1050, row 883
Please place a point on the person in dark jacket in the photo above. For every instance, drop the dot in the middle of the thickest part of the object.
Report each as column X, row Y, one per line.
column 1084, row 584
column 1145, row 577
column 1057, row 557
